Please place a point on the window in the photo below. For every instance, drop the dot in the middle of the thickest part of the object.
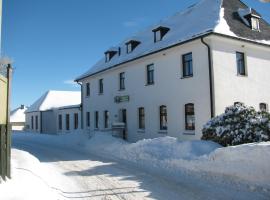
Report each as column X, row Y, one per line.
column 159, row 33
column 87, row 89
column 141, row 118
column 67, row 122
column 263, row 107
column 96, row 119
column 76, row 120
column 187, row 65
column 131, row 45
column 150, row 74
column 100, row 86
column 36, row 122
column 255, row 24
column 122, row 81
column 32, row 122
column 163, row 117
column 60, row 122
column 88, row 119
column 189, row 116
column 240, row 60
column 109, row 54
column 106, row 119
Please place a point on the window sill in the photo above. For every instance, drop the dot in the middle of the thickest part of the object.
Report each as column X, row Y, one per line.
column 87, row 97
column 100, row 94
column 162, row 132
column 242, row 75
column 184, row 77
column 140, row 131
column 149, row 84
column 120, row 90
column 189, row 132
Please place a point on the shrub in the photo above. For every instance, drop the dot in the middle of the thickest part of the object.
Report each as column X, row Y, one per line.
column 238, row 125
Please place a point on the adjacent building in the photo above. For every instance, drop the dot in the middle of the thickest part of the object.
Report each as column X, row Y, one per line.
column 53, row 109
column 171, row 78
column 17, row 118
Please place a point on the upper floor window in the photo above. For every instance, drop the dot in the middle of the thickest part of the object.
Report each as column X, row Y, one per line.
column 141, row 118
column 159, row 33
column 60, row 122
column 255, row 24
column 100, row 86
column 250, row 17
column 240, row 61
column 106, row 119
column 263, row 107
column 131, row 45
column 187, row 65
column 67, row 122
column 76, row 120
column 122, row 81
column 189, row 116
column 150, row 74
column 163, row 117
column 87, row 89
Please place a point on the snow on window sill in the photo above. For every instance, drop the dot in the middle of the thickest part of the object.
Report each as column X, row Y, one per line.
column 188, row 76
column 140, row 131
column 162, row 132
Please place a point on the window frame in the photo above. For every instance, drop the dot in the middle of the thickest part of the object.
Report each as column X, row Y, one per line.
column 106, row 119
column 76, row 121
column 122, row 81
column 87, row 89
column 188, row 113
column 67, row 122
column 101, row 86
column 60, row 122
column 88, row 119
column 141, row 118
column 257, row 23
column 187, row 63
column 241, row 64
column 150, row 74
column 163, row 115
column 96, row 120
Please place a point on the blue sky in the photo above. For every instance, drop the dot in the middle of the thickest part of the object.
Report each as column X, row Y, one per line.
column 53, row 41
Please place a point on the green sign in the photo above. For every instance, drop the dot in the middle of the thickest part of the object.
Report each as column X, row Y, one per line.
column 120, row 99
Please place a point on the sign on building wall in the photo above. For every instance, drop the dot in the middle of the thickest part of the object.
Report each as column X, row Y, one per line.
column 119, row 99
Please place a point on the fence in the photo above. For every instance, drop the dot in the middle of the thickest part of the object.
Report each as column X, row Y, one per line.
column 5, row 130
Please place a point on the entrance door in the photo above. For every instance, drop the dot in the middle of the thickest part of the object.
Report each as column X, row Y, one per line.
column 124, row 120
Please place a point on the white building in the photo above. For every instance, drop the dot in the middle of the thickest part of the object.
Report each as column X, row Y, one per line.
column 17, row 118
column 172, row 78
column 43, row 115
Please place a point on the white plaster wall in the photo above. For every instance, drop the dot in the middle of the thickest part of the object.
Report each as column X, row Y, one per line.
column 229, row 87
column 169, row 89
column 71, row 112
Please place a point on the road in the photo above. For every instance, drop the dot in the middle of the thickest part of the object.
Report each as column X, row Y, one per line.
column 89, row 176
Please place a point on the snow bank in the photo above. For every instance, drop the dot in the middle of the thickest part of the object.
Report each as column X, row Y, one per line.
column 248, row 163
column 27, row 182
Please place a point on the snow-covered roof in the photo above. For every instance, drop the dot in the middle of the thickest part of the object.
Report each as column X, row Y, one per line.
column 55, row 99
column 207, row 16
column 18, row 115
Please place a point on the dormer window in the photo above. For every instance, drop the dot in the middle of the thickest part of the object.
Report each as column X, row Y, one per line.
column 250, row 18
column 109, row 55
column 131, row 45
column 159, row 33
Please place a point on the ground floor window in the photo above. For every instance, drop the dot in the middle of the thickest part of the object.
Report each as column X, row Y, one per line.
column 32, row 122
column 163, row 117
column 76, row 120
column 189, row 116
column 106, row 119
column 96, row 119
column 141, row 118
column 60, row 122
column 67, row 122
column 36, row 122
column 88, row 119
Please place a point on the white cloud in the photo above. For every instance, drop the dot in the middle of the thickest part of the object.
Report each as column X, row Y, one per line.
column 134, row 22
column 71, row 83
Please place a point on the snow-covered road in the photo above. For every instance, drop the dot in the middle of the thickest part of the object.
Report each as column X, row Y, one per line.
column 77, row 175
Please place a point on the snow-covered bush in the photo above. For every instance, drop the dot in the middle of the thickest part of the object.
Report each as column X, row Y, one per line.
column 238, row 125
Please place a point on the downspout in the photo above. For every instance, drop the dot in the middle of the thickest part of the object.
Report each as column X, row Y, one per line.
column 210, row 67
column 81, row 107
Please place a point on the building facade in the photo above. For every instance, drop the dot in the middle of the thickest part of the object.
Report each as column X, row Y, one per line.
column 169, row 81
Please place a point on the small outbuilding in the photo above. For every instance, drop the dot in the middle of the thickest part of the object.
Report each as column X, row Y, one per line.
column 42, row 115
column 17, row 118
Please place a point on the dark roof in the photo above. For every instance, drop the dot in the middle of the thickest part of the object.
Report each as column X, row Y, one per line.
column 238, row 27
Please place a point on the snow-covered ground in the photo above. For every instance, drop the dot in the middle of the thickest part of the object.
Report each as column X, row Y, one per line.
column 105, row 167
